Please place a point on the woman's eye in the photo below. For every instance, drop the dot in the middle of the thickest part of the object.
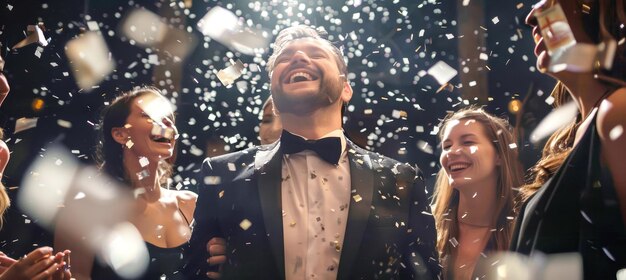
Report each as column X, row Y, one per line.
column 446, row 147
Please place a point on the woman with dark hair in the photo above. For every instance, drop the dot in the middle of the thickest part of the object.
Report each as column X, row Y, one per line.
column 577, row 199
column 474, row 191
column 137, row 140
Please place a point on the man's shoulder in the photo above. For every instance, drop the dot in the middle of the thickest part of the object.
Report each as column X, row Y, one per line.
column 382, row 162
column 234, row 157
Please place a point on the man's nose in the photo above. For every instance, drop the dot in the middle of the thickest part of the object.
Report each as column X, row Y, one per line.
column 300, row 57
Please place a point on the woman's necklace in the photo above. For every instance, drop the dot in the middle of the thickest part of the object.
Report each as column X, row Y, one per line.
column 472, row 225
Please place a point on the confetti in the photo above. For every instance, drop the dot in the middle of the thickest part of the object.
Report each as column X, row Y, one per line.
column 616, row 132
column 143, row 161
column 22, row 124
column 558, row 118
column 223, row 26
column 231, row 73
column 442, row 72
column 34, row 35
column 148, row 29
column 89, row 58
column 245, row 224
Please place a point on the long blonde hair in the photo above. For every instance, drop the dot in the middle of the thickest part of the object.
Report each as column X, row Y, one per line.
column 446, row 198
column 5, row 202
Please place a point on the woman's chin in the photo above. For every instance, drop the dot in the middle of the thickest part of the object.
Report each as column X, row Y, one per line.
column 543, row 62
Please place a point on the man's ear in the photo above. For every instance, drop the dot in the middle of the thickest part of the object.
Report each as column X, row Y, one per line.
column 120, row 135
column 346, row 93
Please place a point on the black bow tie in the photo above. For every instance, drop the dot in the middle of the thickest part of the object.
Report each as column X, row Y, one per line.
column 329, row 148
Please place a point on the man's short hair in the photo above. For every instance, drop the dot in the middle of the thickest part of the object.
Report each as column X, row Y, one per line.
column 289, row 34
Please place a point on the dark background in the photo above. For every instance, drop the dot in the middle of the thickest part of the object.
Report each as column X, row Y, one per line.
column 376, row 42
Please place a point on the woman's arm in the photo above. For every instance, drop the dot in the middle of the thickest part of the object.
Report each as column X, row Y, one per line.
column 611, row 126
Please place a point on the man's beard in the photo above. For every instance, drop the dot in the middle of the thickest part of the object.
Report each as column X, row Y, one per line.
column 329, row 92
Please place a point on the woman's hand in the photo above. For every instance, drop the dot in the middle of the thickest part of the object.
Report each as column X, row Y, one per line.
column 40, row 264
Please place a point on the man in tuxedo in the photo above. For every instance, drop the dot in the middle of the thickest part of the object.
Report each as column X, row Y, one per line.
column 312, row 205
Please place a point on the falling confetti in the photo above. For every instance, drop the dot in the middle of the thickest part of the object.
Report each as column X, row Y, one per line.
column 34, row 35
column 89, row 58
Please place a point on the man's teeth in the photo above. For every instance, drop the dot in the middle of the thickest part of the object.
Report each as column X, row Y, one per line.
column 299, row 77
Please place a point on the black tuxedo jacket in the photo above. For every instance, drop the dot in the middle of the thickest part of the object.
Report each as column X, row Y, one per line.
column 390, row 232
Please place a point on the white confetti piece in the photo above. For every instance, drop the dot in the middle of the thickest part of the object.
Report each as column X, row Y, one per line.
column 231, row 73
column 616, row 132
column 223, row 26
column 143, row 161
column 558, row 118
column 64, row 123
column 425, row 147
column 89, row 58
column 34, row 35
column 93, row 26
column 473, row 149
column 442, row 72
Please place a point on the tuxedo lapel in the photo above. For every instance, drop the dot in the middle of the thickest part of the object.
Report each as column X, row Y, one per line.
column 268, row 165
column 362, row 181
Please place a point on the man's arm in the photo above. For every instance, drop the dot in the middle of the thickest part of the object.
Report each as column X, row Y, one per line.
column 206, row 224
column 422, row 255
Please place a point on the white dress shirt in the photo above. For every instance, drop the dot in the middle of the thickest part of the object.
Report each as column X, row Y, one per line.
column 315, row 200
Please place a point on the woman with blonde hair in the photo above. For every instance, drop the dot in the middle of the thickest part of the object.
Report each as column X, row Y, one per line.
column 41, row 263
column 474, row 191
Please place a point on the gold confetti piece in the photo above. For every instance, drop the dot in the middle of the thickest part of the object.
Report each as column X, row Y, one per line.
column 24, row 124
column 292, row 224
column 245, row 224
column 357, row 198
column 34, row 35
column 221, row 194
column 212, row 180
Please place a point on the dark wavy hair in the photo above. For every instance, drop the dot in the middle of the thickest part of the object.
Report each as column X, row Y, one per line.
column 109, row 153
